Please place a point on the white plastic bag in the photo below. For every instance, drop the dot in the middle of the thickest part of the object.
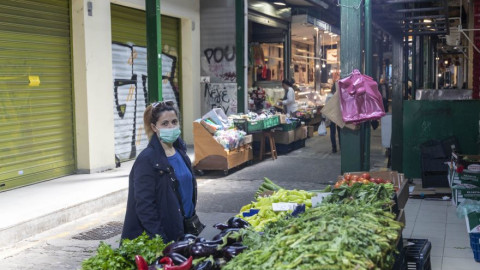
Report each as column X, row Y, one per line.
column 322, row 129
column 217, row 115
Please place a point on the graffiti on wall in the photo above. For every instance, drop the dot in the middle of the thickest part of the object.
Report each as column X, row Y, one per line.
column 219, row 63
column 131, row 96
column 220, row 95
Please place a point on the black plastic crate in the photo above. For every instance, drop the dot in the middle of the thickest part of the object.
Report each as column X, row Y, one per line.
column 418, row 254
column 400, row 257
column 434, row 179
column 434, row 165
column 432, row 149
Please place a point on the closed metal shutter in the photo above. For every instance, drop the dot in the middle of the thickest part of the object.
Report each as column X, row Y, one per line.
column 36, row 130
column 129, row 57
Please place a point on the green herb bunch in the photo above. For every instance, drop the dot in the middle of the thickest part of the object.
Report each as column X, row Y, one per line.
column 123, row 258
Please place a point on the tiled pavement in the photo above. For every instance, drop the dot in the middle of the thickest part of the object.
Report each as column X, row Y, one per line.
column 437, row 221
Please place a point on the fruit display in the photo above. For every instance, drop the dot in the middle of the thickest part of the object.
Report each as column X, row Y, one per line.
column 364, row 178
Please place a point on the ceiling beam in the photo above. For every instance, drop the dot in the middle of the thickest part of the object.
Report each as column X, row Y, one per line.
column 391, row 2
column 425, row 17
column 425, row 24
column 423, row 33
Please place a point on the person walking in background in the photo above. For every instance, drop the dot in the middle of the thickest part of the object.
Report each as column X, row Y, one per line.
column 162, row 191
column 383, row 88
column 334, row 129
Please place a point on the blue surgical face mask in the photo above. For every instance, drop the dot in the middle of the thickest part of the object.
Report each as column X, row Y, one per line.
column 169, row 135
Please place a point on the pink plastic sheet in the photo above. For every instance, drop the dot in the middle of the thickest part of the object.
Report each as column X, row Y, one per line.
column 360, row 99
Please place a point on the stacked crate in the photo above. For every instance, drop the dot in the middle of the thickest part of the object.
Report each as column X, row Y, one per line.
column 464, row 178
column 433, row 164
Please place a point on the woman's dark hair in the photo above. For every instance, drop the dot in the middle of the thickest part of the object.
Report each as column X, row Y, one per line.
column 287, row 82
column 153, row 112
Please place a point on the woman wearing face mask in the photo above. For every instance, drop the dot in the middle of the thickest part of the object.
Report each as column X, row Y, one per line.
column 162, row 191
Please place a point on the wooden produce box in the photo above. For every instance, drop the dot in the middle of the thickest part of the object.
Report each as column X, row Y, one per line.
column 210, row 155
column 398, row 180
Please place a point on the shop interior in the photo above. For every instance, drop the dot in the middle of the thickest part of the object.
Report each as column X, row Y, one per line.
column 314, row 63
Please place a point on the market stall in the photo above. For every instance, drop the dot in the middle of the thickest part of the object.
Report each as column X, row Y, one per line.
column 219, row 150
column 355, row 225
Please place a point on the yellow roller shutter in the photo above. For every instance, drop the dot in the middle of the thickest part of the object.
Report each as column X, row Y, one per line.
column 130, row 71
column 36, row 134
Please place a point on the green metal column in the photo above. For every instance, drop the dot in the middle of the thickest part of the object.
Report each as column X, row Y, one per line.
column 154, row 50
column 399, row 78
column 240, row 56
column 287, row 52
column 368, row 71
column 414, row 66
column 350, row 59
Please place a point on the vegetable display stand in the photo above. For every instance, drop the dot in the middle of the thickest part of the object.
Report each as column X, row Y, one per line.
column 210, row 155
column 418, row 254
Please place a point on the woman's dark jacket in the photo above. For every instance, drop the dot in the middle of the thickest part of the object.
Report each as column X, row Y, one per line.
column 153, row 202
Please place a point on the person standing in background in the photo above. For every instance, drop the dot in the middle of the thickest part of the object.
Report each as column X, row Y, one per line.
column 334, row 129
column 383, row 88
column 289, row 99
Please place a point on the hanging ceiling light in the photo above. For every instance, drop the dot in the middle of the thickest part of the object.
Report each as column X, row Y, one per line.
column 279, row 2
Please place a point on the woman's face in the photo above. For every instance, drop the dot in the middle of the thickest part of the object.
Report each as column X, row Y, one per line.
column 167, row 119
column 285, row 86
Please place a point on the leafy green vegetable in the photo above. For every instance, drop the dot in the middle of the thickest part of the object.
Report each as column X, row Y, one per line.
column 123, row 257
column 352, row 230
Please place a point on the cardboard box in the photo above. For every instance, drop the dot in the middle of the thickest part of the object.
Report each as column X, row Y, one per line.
column 300, row 133
column 248, row 139
column 256, row 137
column 473, row 222
column 462, row 192
column 284, row 137
column 310, row 130
column 470, row 162
column 282, row 118
column 470, row 178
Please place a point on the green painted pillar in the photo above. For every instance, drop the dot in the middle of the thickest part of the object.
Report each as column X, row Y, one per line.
column 350, row 59
column 400, row 75
column 154, row 50
column 368, row 71
column 240, row 55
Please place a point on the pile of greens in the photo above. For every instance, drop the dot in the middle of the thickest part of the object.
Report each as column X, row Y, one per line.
column 123, row 258
column 361, row 194
column 349, row 231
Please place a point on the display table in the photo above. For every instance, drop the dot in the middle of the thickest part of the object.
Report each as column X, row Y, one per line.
column 210, row 155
